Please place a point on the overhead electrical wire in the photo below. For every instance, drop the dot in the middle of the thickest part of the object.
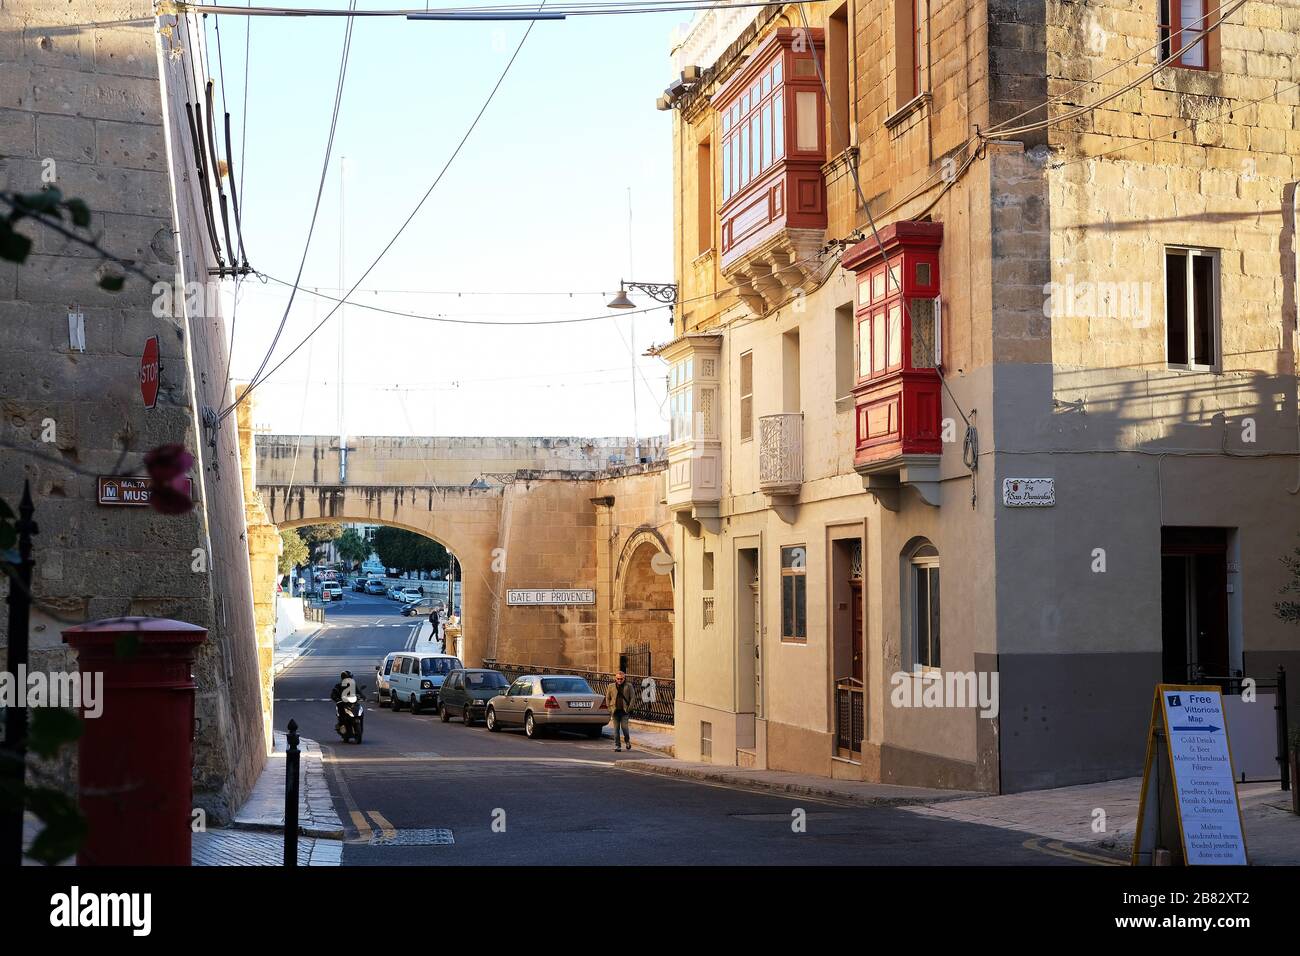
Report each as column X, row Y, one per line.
column 486, row 12
column 1003, row 133
column 311, row 229
column 402, row 228
column 1062, row 97
column 1145, row 140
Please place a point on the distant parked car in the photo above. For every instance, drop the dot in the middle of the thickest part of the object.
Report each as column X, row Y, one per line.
column 359, row 584
column 465, row 693
column 417, row 676
column 421, row 607
column 394, row 593
column 383, row 690
column 331, row 591
column 376, row 587
column 411, row 594
column 539, row 702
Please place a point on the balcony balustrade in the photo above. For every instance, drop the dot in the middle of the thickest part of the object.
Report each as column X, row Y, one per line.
column 780, row 453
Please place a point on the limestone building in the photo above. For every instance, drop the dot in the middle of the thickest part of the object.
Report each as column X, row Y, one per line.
column 983, row 370
column 96, row 99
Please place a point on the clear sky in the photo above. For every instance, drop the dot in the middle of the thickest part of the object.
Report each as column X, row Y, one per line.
column 537, row 201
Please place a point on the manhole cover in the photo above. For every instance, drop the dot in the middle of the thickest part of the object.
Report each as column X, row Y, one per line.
column 412, row 838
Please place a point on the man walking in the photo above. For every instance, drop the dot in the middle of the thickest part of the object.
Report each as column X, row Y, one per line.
column 619, row 699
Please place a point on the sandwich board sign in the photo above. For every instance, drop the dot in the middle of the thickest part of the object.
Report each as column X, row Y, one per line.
column 1189, row 800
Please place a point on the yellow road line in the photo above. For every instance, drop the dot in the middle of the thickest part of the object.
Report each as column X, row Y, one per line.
column 1059, row 849
column 386, row 829
column 363, row 826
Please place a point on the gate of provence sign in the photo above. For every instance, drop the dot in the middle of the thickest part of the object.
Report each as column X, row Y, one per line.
column 540, row 596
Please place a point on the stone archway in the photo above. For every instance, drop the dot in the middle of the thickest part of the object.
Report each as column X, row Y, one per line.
column 642, row 616
column 463, row 520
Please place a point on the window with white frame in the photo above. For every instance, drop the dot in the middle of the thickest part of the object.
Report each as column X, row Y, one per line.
column 1191, row 307
column 794, row 594
column 923, row 601
column 680, row 400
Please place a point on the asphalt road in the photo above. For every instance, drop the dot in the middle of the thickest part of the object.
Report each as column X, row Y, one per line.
column 561, row 800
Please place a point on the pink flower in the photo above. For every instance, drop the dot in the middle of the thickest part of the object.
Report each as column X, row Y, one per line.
column 167, row 462
column 171, row 497
column 167, row 465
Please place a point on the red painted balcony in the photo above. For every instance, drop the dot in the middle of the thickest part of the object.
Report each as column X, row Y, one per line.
column 898, row 391
column 772, row 124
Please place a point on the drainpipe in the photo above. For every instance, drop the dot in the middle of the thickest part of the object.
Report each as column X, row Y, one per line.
column 1290, row 246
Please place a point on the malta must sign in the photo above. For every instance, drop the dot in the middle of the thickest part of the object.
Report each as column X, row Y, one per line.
column 1189, row 805
column 130, row 492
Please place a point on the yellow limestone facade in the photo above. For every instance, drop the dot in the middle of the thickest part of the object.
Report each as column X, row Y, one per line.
column 520, row 514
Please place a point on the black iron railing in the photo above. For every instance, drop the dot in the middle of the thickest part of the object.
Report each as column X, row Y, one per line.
column 635, row 659
column 850, row 719
column 652, row 697
column 1235, row 685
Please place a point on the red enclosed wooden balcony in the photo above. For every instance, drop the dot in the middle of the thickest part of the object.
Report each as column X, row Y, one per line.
column 772, row 124
column 898, row 391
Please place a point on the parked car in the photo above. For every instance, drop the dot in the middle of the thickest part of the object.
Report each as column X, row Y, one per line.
column 541, row 702
column 416, row 677
column 359, row 584
column 331, row 591
column 394, row 593
column 465, row 693
column 411, row 594
column 421, row 607
column 383, row 690
column 376, row 587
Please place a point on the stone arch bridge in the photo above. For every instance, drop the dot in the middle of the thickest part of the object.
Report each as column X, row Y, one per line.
column 518, row 513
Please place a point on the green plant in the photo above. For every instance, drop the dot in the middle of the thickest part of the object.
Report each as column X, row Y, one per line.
column 351, row 547
column 48, row 207
column 294, row 553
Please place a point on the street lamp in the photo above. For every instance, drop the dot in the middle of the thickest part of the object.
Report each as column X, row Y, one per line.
column 659, row 291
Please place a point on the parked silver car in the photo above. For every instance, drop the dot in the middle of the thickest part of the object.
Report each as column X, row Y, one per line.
column 540, row 702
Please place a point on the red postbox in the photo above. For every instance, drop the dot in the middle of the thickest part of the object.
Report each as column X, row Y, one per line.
column 137, row 758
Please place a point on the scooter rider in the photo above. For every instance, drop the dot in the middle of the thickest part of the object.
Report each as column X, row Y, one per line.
column 343, row 694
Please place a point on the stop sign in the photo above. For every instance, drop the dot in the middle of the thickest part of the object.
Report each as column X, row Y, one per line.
column 149, row 366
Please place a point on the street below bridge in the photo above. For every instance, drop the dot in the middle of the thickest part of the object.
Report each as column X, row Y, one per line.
column 502, row 799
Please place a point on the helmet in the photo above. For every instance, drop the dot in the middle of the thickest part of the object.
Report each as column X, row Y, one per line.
column 345, row 675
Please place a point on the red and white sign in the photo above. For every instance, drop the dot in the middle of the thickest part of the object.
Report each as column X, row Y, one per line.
column 149, row 367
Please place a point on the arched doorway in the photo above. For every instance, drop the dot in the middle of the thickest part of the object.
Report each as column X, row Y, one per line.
column 641, row 624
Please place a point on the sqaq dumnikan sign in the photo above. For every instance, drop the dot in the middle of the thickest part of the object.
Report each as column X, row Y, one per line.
column 1189, row 802
column 526, row 597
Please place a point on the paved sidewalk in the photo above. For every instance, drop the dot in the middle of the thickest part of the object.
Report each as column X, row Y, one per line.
column 291, row 648
column 652, row 737
column 250, row 848
column 1067, row 814
column 264, row 809
column 795, row 784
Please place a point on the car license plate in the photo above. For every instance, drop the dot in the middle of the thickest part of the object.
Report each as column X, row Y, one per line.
column 585, row 704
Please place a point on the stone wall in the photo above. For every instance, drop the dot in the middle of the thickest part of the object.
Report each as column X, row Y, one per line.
column 84, row 104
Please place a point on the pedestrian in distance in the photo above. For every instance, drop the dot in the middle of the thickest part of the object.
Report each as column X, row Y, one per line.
column 619, row 699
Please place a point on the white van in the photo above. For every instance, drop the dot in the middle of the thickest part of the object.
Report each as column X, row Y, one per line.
column 416, row 677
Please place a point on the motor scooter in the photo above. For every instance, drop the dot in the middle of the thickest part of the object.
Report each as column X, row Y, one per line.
column 352, row 716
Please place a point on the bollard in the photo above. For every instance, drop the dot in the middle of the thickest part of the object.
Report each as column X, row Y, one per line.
column 291, row 797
